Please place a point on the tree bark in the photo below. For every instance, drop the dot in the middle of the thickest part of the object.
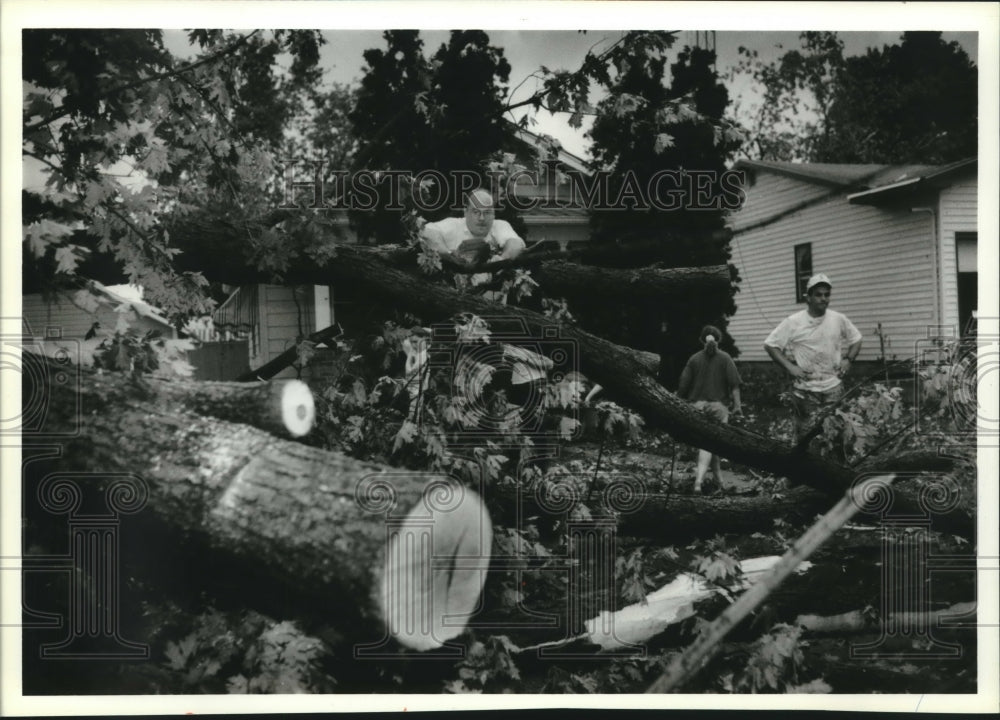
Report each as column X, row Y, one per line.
column 284, row 408
column 624, row 376
column 671, row 518
column 303, row 531
column 649, row 285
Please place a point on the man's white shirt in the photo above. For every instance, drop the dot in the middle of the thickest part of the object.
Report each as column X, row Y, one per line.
column 446, row 235
column 816, row 344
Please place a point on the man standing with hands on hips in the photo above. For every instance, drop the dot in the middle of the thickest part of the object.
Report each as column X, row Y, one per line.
column 809, row 346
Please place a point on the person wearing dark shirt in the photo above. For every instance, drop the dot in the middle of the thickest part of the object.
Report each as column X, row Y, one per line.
column 708, row 381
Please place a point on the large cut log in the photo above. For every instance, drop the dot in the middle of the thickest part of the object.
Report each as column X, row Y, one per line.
column 283, row 407
column 310, row 533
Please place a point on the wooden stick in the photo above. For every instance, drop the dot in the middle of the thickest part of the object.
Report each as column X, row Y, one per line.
column 860, row 621
column 692, row 660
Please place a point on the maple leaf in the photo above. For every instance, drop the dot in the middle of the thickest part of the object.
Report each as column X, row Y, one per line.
column 43, row 233
column 663, row 141
column 68, row 257
column 429, row 261
column 179, row 653
column 156, row 160
column 407, row 433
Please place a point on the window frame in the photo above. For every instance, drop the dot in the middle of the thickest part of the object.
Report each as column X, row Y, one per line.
column 801, row 278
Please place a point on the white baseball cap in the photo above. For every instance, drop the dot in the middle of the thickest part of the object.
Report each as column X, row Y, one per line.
column 818, row 279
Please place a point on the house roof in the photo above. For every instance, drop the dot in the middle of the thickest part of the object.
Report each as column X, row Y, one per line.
column 890, row 186
column 574, row 162
column 143, row 309
column 830, row 174
column 865, row 178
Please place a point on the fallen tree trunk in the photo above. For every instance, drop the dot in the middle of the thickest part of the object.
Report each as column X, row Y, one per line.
column 559, row 277
column 284, row 408
column 303, row 531
column 670, row 518
column 623, row 375
column 648, row 285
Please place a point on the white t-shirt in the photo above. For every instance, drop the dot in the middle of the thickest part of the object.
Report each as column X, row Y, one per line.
column 816, row 345
column 446, row 235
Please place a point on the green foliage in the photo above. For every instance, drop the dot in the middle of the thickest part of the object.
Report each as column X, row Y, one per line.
column 775, row 663
column 633, row 581
column 716, row 562
column 486, row 667
column 911, row 102
column 719, row 568
column 645, row 127
column 142, row 354
column 444, row 114
column 130, row 139
column 861, row 421
column 559, row 680
column 246, row 653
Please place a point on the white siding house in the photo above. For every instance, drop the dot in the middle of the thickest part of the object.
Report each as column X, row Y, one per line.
column 891, row 238
column 67, row 316
column 274, row 318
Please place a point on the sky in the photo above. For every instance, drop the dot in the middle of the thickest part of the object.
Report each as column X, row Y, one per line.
column 528, row 50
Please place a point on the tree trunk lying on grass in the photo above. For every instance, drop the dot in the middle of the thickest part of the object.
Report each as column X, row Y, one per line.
column 367, row 549
column 624, row 373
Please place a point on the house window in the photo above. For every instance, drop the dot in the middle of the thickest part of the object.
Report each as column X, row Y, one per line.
column 803, row 269
column 966, row 251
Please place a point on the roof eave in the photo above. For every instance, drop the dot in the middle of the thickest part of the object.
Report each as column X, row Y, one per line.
column 934, row 180
column 879, row 195
column 757, row 166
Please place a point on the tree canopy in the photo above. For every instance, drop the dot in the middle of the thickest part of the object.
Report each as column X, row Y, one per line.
column 443, row 114
column 665, row 148
column 151, row 161
column 911, row 102
column 129, row 137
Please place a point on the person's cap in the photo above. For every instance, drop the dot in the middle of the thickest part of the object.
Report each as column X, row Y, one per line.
column 818, row 279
